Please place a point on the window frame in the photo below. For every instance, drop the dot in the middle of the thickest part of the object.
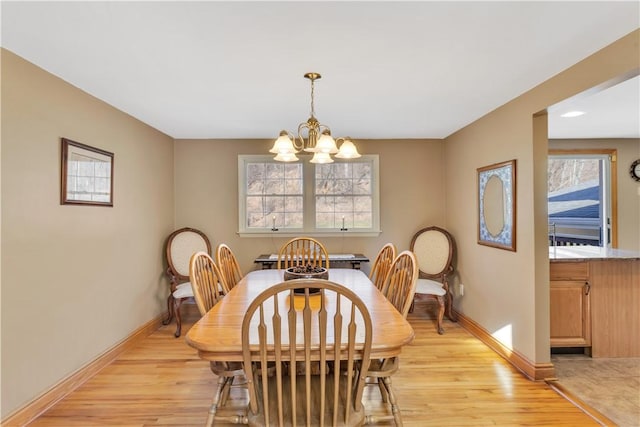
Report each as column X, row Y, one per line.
column 608, row 188
column 309, row 208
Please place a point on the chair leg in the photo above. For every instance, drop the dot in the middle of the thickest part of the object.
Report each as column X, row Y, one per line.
column 169, row 310
column 440, row 313
column 176, row 308
column 395, row 410
column 224, row 396
column 449, row 307
column 223, row 383
column 383, row 390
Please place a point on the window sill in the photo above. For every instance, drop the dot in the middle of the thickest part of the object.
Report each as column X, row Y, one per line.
column 309, row 234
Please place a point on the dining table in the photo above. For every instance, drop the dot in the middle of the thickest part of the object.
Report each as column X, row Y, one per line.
column 217, row 335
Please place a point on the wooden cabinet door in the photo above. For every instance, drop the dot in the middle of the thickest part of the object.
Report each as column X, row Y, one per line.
column 570, row 313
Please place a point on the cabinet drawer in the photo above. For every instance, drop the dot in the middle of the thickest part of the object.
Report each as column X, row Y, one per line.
column 569, row 271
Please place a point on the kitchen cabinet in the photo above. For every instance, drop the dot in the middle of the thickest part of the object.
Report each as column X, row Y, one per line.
column 570, row 304
column 595, row 300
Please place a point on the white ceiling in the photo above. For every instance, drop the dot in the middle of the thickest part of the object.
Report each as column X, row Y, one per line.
column 610, row 113
column 390, row 69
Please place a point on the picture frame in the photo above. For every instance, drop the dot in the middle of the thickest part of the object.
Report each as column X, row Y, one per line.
column 497, row 205
column 86, row 175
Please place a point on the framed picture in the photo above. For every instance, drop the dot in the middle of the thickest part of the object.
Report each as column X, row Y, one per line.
column 497, row 205
column 87, row 175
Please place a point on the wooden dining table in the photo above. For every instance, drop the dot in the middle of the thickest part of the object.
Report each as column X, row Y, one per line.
column 217, row 335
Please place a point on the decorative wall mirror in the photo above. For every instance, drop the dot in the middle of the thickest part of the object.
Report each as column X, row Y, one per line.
column 497, row 205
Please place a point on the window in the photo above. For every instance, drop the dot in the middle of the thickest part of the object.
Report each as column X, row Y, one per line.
column 304, row 197
column 579, row 197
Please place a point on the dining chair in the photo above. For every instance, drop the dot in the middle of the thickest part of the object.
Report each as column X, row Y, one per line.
column 382, row 264
column 228, row 265
column 399, row 288
column 208, row 289
column 181, row 244
column 434, row 248
column 270, row 332
column 301, row 251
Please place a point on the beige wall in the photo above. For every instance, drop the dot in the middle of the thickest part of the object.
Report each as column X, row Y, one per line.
column 507, row 292
column 76, row 280
column 206, row 188
column 628, row 150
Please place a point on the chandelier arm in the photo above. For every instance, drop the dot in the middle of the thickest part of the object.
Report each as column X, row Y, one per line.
column 322, row 127
column 298, row 141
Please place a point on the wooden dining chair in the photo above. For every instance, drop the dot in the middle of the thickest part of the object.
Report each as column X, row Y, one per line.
column 434, row 248
column 181, row 244
column 301, row 251
column 208, row 289
column 328, row 332
column 399, row 287
column 207, row 283
column 382, row 264
column 228, row 265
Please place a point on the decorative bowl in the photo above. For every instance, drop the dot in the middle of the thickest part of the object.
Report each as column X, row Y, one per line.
column 306, row 272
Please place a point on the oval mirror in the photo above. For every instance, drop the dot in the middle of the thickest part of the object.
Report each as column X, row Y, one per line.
column 494, row 208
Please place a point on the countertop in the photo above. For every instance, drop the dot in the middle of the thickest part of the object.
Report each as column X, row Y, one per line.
column 579, row 253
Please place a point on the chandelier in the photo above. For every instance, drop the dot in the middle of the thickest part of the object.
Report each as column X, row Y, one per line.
column 317, row 141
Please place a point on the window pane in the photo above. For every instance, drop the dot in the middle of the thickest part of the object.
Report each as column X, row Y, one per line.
column 273, row 186
column 363, row 204
column 293, row 220
column 351, row 185
column 324, row 220
column 293, row 186
column 344, row 204
column 362, row 171
column 293, row 204
column 293, row 171
column 254, row 204
column 362, row 186
column 325, row 204
column 273, row 194
column 274, row 170
column 363, row 220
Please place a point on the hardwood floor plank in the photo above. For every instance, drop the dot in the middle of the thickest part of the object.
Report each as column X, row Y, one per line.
column 443, row 380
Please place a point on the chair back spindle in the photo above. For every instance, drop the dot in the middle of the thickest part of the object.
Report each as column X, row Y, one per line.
column 206, row 281
column 301, row 251
column 400, row 283
column 382, row 264
column 228, row 266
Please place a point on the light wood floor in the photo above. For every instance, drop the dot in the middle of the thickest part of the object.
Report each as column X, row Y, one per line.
column 447, row 380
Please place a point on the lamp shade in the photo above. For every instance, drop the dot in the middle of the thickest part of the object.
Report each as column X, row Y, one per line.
column 283, row 145
column 326, row 144
column 321, row 158
column 286, row 157
column 348, row 150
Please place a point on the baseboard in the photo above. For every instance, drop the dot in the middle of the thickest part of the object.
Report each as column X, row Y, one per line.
column 533, row 371
column 40, row 404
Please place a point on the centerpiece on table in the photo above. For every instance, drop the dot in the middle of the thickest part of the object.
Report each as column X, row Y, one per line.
column 306, row 272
